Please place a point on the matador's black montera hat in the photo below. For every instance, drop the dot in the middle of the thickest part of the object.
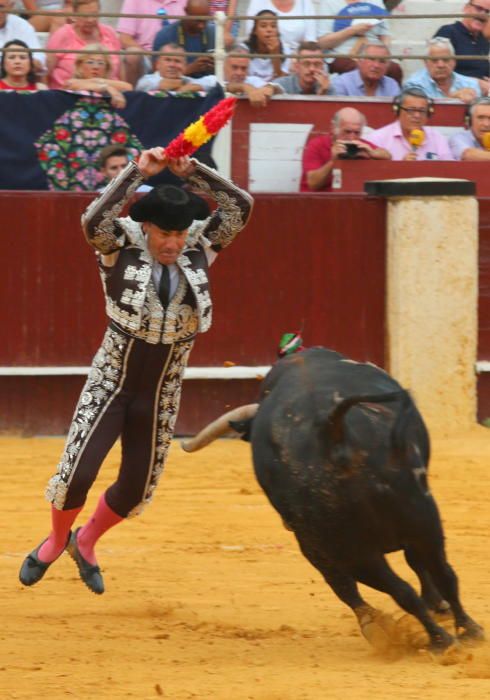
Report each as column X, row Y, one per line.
column 170, row 208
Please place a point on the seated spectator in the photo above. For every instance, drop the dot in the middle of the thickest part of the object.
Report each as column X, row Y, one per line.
column 474, row 143
column 369, row 79
column 59, row 21
column 264, row 38
column 408, row 137
column 138, row 33
column 237, row 80
column 193, row 35
column 438, row 78
column 169, row 75
column 344, row 141
column 13, row 27
column 292, row 32
column 311, row 76
column 346, row 35
column 92, row 71
column 17, row 68
column 83, row 31
column 112, row 160
column 467, row 39
column 54, row 21
column 41, row 23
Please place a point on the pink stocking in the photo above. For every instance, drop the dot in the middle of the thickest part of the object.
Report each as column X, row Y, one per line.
column 102, row 520
column 61, row 522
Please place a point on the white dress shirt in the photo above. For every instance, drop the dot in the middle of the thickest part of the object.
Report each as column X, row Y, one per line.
column 173, row 270
column 18, row 28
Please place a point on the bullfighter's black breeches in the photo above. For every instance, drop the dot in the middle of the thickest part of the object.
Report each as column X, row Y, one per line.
column 133, row 391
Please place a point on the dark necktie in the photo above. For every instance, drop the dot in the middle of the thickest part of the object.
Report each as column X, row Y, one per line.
column 164, row 286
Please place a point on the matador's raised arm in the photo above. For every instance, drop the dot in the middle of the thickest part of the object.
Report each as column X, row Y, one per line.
column 103, row 231
column 234, row 205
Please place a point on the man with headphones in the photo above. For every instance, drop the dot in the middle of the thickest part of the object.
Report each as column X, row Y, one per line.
column 408, row 137
column 474, row 142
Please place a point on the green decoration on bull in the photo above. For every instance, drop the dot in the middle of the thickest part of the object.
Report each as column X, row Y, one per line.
column 289, row 344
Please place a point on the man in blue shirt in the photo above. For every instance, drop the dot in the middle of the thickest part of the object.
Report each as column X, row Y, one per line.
column 194, row 35
column 369, row 79
column 438, row 79
column 474, row 143
column 467, row 39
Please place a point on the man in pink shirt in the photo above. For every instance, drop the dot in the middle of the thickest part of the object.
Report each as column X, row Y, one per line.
column 137, row 34
column 408, row 138
column 76, row 36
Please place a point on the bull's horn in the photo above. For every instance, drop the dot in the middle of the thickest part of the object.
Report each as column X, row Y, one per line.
column 219, row 427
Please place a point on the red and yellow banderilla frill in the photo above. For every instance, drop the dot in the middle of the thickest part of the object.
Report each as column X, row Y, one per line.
column 199, row 132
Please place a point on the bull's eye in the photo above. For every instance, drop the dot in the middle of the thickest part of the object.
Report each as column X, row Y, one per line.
column 420, row 474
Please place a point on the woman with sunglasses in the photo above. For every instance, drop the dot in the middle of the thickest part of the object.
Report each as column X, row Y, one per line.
column 92, row 71
column 84, row 30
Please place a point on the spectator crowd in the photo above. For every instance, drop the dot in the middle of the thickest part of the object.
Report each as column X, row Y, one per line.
column 169, row 50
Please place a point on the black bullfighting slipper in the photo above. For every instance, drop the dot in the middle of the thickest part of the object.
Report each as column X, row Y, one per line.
column 33, row 569
column 89, row 574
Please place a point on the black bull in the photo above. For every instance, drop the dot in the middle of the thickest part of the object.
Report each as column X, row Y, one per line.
column 342, row 452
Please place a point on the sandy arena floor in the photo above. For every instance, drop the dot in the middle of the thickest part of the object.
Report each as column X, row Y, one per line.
column 208, row 597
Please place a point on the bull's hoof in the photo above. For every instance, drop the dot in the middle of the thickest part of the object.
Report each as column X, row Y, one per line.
column 411, row 633
column 379, row 629
column 443, row 617
column 440, row 641
column 471, row 632
column 442, row 608
column 451, row 656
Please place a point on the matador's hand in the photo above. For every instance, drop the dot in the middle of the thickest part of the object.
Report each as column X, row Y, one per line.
column 152, row 161
column 182, row 167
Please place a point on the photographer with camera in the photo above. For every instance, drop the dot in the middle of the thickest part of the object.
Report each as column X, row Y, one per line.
column 344, row 142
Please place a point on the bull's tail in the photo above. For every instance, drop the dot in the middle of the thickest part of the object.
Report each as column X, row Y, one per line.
column 409, row 435
column 406, row 420
column 335, row 419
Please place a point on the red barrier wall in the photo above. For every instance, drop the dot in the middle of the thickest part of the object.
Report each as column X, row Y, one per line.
column 317, row 264
column 309, row 261
column 300, row 261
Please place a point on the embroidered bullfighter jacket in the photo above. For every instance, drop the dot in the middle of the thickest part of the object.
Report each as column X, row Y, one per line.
column 125, row 262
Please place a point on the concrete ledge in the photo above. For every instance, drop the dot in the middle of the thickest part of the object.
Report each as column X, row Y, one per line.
column 420, row 187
